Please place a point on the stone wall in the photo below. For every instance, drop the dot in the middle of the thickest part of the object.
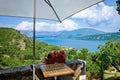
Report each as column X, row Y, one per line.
column 20, row 73
column 25, row 73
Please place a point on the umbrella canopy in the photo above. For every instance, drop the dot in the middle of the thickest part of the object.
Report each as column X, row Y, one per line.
column 46, row 9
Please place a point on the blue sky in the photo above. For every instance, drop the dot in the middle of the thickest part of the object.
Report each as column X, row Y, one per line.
column 102, row 16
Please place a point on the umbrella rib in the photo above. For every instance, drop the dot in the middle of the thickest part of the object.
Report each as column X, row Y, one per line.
column 48, row 2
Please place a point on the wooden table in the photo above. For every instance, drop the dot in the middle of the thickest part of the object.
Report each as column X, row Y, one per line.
column 54, row 70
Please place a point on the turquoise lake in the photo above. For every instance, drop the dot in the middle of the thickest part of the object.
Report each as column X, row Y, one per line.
column 78, row 44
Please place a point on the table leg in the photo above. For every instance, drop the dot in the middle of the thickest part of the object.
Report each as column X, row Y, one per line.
column 55, row 78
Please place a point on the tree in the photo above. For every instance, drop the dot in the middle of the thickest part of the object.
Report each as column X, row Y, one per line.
column 118, row 6
column 110, row 49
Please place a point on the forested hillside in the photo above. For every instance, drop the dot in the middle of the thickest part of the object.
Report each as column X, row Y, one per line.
column 106, row 36
column 16, row 49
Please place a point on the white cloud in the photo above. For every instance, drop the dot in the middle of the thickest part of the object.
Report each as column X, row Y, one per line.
column 25, row 25
column 96, row 14
column 44, row 26
column 69, row 25
column 101, row 17
column 112, row 25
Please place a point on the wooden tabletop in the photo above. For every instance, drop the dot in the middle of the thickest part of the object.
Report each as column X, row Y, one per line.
column 58, row 69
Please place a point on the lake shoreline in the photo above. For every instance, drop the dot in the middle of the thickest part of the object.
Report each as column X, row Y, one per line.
column 91, row 45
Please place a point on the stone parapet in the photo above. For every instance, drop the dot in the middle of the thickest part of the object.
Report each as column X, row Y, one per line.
column 26, row 73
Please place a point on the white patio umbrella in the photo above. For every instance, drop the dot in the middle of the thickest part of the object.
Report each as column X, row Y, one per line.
column 45, row 9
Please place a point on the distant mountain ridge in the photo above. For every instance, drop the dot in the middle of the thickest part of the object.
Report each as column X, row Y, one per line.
column 65, row 34
column 79, row 33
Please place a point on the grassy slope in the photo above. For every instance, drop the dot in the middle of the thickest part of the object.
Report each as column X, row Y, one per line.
column 12, row 56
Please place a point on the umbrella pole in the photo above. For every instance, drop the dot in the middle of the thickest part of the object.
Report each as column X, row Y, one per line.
column 34, row 26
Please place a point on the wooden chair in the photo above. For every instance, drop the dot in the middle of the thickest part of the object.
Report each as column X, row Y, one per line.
column 77, row 72
column 39, row 75
column 77, row 68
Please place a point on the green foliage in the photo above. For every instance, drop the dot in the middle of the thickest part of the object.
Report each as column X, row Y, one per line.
column 91, row 66
column 14, row 62
column 93, row 60
column 11, row 54
column 111, row 47
column 118, row 6
column 71, row 54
